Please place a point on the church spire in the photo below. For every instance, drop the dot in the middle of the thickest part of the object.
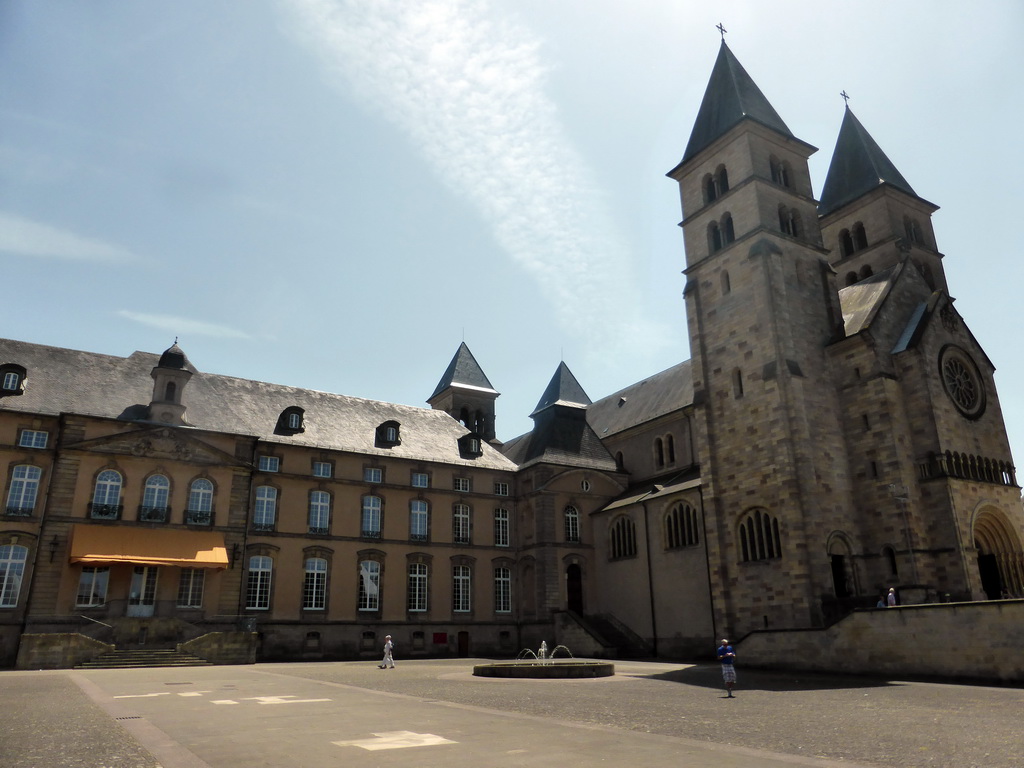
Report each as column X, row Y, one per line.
column 563, row 389
column 731, row 96
column 858, row 166
column 466, row 394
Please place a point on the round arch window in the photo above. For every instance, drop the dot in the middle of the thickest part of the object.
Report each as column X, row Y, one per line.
column 962, row 382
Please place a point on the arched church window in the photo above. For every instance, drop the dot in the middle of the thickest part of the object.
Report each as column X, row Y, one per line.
column 759, row 536
column 710, row 195
column 659, row 452
column 851, row 278
column 726, row 284
column 845, row 243
column 714, row 237
column 860, row 237
column 866, row 271
column 622, row 538
column 722, row 180
column 728, row 232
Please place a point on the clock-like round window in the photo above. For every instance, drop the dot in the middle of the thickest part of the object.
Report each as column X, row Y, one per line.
column 962, row 382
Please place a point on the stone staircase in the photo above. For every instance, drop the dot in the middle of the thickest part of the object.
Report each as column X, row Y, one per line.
column 155, row 657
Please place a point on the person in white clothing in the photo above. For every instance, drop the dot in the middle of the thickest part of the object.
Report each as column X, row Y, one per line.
column 388, row 661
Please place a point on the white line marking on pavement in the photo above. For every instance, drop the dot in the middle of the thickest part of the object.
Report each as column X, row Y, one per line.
column 224, row 701
column 281, row 700
column 396, row 740
column 142, row 695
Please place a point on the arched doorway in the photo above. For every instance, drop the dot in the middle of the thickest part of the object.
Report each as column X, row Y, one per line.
column 1000, row 557
column 574, row 588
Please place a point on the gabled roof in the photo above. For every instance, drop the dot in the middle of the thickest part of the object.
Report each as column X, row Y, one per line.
column 639, row 403
column 858, row 166
column 730, row 97
column 68, row 381
column 463, row 371
column 563, row 389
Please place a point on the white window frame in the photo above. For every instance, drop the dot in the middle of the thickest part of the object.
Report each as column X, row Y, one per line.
column 107, row 491
column 572, row 523
column 462, row 589
column 500, row 489
column 258, row 583
column 191, row 585
column 157, row 492
column 269, row 464
column 462, row 484
column 24, row 491
column 200, row 495
column 419, row 520
column 501, row 527
column 294, row 420
column 461, row 523
column 373, row 475
column 420, row 480
column 33, row 438
column 319, row 512
column 369, row 585
column 416, row 601
column 323, row 469
column 502, row 590
column 12, row 572
column 264, row 513
column 314, row 584
column 11, row 381
column 370, row 519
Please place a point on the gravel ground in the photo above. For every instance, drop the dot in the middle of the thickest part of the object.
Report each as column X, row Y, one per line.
column 879, row 722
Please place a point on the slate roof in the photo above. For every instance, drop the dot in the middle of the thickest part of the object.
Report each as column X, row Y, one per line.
column 649, row 399
column 463, row 371
column 858, row 166
column 69, row 381
column 861, row 301
column 563, row 389
column 730, row 97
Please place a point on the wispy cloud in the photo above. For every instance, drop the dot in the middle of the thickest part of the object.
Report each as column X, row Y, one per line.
column 183, row 326
column 468, row 87
column 24, row 237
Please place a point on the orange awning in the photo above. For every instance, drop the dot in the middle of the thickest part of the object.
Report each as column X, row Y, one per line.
column 108, row 544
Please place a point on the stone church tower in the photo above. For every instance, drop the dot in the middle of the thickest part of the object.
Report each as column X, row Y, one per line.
column 846, row 422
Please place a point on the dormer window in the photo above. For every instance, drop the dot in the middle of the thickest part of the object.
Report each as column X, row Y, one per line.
column 290, row 421
column 388, row 435
column 12, row 379
column 470, row 445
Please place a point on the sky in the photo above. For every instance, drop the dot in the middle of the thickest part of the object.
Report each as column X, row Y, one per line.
column 334, row 194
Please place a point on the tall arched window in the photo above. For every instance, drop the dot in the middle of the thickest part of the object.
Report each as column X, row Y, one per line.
column 460, row 523
column 572, row 524
column 106, row 496
column 155, row 498
column 728, row 231
column 845, row 243
column 681, row 527
column 265, row 511
column 319, row 512
column 502, row 590
column 722, row 180
column 24, row 491
column 12, row 571
column 659, row 452
column 623, row 538
column 860, row 237
column 714, row 237
column 314, row 584
column 759, row 536
column 670, row 449
column 710, row 194
column 462, row 588
column 371, row 517
column 257, row 590
column 200, row 502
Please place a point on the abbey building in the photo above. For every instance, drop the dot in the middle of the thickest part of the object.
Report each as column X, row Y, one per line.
column 836, row 432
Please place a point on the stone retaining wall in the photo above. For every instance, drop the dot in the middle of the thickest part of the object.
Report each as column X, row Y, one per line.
column 977, row 641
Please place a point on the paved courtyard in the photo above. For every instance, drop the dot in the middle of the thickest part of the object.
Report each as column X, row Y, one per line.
column 435, row 713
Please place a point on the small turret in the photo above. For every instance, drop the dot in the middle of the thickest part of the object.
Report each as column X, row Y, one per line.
column 170, row 376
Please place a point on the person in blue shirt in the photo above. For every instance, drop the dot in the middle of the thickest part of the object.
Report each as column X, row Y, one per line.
column 727, row 656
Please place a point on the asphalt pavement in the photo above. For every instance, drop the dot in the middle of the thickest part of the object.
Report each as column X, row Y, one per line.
column 436, row 713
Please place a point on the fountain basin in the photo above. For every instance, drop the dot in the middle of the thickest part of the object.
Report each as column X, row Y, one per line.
column 553, row 669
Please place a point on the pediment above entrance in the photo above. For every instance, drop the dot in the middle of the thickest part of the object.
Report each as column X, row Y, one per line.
column 160, row 443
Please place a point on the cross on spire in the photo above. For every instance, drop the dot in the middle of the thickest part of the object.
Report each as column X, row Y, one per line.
column 722, row 30
column 846, row 97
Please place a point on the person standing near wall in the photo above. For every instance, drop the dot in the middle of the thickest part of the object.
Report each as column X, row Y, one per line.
column 890, row 599
column 727, row 656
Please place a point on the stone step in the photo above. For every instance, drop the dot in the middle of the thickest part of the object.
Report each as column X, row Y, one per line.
column 144, row 658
